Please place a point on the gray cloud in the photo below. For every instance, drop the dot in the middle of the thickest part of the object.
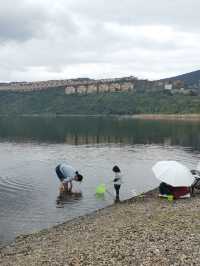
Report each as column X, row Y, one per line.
column 24, row 20
column 61, row 39
column 20, row 21
column 180, row 13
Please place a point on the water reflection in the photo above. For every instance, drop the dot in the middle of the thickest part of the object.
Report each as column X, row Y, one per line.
column 96, row 130
column 67, row 198
column 31, row 147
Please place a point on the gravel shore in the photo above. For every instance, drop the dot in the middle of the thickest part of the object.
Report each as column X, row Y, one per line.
column 145, row 230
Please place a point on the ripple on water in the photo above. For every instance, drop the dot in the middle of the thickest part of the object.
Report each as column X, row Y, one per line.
column 12, row 185
column 28, row 199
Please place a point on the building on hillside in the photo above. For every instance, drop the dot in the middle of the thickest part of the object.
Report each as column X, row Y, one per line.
column 102, row 86
column 168, row 86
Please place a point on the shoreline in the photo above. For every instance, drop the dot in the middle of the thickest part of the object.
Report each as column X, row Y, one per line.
column 183, row 117
column 175, row 117
column 144, row 230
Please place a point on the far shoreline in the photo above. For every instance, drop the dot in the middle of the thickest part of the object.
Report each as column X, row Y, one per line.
column 185, row 117
column 170, row 117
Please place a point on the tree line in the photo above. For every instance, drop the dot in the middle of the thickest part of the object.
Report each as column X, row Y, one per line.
column 55, row 102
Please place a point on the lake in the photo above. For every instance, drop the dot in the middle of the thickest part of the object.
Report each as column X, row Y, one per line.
column 31, row 148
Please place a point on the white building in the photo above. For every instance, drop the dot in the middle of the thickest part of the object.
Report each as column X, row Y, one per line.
column 168, row 86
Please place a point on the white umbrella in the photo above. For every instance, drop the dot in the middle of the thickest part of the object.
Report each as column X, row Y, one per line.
column 173, row 173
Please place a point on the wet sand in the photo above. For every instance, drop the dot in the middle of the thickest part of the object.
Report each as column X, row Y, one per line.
column 145, row 230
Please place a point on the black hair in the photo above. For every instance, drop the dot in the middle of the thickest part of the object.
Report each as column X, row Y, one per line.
column 116, row 169
column 79, row 177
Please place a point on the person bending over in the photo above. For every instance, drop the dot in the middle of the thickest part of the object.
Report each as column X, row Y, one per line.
column 67, row 174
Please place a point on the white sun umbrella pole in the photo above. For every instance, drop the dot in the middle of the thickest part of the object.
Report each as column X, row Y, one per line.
column 173, row 173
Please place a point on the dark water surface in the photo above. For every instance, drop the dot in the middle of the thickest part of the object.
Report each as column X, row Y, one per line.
column 30, row 148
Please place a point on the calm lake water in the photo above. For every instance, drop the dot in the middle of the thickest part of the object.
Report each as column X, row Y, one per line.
column 30, row 149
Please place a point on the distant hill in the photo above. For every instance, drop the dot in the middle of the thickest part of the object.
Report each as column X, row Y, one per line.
column 54, row 101
column 188, row 78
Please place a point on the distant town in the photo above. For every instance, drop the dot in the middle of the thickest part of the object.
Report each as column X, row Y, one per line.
column 86, row 85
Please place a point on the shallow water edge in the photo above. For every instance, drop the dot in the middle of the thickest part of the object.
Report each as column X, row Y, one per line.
column 144, row 230
column 76, row 219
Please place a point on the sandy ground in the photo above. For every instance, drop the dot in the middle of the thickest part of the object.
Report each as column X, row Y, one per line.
column 145, row 230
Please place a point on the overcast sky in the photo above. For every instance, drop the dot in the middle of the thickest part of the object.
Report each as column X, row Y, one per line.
column 61, row 39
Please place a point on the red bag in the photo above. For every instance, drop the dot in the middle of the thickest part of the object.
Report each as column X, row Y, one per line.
column 179, row 191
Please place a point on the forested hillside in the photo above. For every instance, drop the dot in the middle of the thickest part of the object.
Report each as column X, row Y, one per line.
column 54, row 101
column 189, row 78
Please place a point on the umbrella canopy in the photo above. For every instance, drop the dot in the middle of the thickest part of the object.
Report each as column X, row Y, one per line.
column 173, row 173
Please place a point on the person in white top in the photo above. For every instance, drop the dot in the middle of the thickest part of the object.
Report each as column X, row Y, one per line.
column 66, row 174
column 117, row 181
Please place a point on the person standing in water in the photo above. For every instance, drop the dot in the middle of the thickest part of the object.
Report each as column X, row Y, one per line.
column 117, row 181
column 67, row 174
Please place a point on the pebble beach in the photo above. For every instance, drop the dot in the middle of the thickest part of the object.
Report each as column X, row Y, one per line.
column 145, row 230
